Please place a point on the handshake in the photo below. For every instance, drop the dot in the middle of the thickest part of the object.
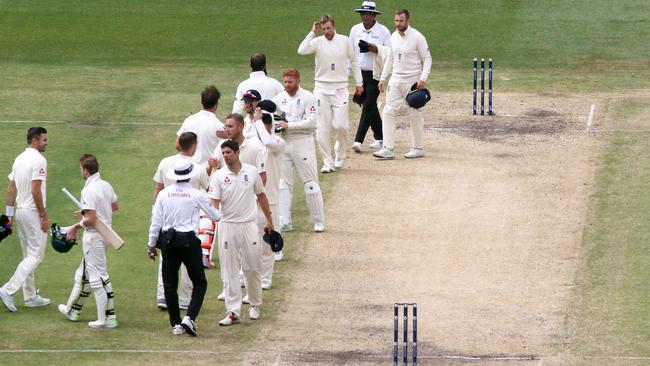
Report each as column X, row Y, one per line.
column 279, row 117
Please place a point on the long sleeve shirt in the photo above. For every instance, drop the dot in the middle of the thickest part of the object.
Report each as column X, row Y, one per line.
column 333, row 58
column 300, row 112
column 408, row 59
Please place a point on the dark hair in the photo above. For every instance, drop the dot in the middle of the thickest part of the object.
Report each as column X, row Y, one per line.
column 403, row 11
column 186, row 140
column 90, row 163
column 231, row 144
column 237, row 117
column 326, row 18
column 35, row 132
column 258, row 62
column 210, row 97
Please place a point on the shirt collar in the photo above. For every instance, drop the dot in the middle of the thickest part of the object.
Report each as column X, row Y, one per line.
column 407, row 31
column 92, row 178
column 257, row 74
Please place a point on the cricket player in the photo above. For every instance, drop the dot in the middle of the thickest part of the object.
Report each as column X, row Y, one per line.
column 268, row 87
column 99, row 201
column 366, row 39
column 275, row 147
column 205, row 124
column 299, row 108
column 409, row 61
column 26, row 200
column 334, row 58
column 237, row 190
column 187, row 142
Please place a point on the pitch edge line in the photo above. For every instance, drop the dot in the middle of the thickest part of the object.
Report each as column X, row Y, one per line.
column 446, row 357
column 591, row 117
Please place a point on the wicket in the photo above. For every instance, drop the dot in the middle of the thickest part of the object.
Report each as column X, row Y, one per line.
column 405, row 337
column 474, row 106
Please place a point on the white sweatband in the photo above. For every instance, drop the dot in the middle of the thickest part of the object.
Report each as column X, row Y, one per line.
column 10, row 210
column 81, row 223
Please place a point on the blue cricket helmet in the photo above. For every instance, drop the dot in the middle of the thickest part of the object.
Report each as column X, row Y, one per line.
column 417, row 98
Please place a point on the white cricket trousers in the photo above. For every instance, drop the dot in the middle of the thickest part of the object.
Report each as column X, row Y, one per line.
column 301, row 154
column 268, row 257
column 332, row 113
column 33, row 242
column 239, row 244
column 396, row 99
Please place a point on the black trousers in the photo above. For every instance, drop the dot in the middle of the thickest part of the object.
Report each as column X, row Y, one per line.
column 370, row 117
column 182, row 247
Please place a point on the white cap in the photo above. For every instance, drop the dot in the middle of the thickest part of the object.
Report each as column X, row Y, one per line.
column 183, row 169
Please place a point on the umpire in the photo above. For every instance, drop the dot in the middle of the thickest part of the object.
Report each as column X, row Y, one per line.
column 174, row 224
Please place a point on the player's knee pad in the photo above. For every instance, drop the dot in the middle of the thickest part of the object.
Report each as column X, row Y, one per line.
column 311, row 187
column 96, row 283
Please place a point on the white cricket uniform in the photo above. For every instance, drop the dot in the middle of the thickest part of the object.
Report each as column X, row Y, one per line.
column 408, row 60
column 333, row 61
column 249, row 127
column 239, row 240
column 267, row 87
column 200, row 181
column 251, row 151
column 92, row 274
column 275, row 147
column 378, row 35
column 205, row 125
column 300, row 112
column 28, row 166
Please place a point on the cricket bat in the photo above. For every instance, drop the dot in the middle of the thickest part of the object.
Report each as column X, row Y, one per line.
column 104, row 230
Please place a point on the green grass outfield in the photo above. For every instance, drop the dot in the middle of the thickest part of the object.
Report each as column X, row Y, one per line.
column 85, row 66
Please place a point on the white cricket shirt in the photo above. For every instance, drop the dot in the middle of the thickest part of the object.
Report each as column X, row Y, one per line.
column 267, row 86
column 237, row 193
column 98, row 195
column 29, row 165
column 199, row 181
column 332, row 60
column 177, row 207
column 300, row 112
column 251, row 151
column 205, row 125
column 408, row 58
column 275, row 146
column 378, row 35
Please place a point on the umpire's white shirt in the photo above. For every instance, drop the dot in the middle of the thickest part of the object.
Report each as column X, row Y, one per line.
column 199, row 181
column 29, row 165
column 177, row 207
column 98, row 195
column 267, row 87
column 378, row 35
column 408, row 59
column 300, row 112
column 205, row 125
column 237, row 193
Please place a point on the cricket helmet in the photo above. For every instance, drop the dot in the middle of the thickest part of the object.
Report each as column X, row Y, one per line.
column 59, row 241
column 274, row 239
column 5, row 227
column 417, row 98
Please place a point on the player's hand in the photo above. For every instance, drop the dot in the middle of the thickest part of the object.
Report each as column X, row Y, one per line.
column 211, row 265
column 421, row 84
column 358, row 90
column 257, row 114
column 77, row 215
column 72, row 233
column 269, row 227
column 315, row 27
column 152, row 253
column 283, row 125
column 373, row 48
column 213, row 162
column 44, row 223
column 381, row 86
column 222, row 134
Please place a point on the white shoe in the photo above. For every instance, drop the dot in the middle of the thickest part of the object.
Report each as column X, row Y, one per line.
column 177, row 330
column 339, row 163
column 326, row 169
column 384, row 153
column 97, row 324
column 245, row 300
column 8, row 300
column 266, row 285
column 416, row 152
column 111, row 323
column 73, row 315
column 356, row 147
column 254, row 312
column 188, row 325
column 319, row 227
column 230, row 319
column 37, row 302
column 222, row 296
column 279, row 256
column 378, row 144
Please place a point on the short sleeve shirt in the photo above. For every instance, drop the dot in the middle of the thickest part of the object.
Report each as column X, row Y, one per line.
column 28, row 166
column 205, row 125
column 237, row 193
column 200, row 181
column 98, row 195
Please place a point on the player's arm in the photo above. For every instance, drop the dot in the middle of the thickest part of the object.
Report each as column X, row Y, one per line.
column 11, row 199
column 425, row 56
column 154, row 229
column 264, row 205
column 273, row 145
column 37, row 195
column 307, row 45
column 205, row 205
column 159, row 187
column 356, row 69
column 115, row 206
